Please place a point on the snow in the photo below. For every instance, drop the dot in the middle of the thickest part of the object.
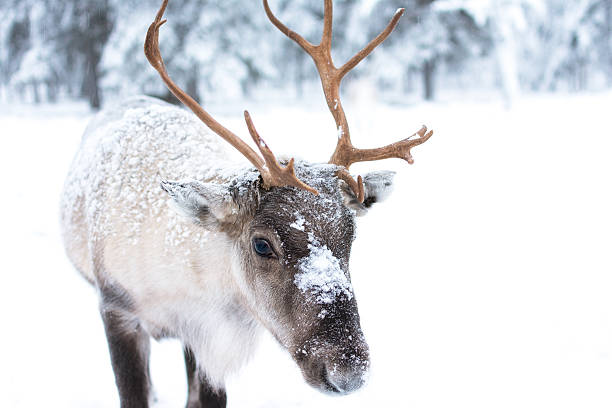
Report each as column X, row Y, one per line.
column 321, row 275
column 299, row 222
column 483, row 281
column 146, row 130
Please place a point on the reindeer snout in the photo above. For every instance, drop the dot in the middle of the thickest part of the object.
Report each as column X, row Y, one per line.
column 334, row 368
column 338, row 369
column 349, row 377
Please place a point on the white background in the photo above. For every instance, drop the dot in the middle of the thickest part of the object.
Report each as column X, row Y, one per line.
column 484, row 281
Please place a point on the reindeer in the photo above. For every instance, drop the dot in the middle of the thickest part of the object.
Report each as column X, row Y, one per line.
column 243, row 248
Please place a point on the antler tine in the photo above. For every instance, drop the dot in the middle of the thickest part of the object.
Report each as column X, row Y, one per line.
column 321, row 55
column 328, row 23
column 153, row 54
column 276, row 174
column 398, row 150
column 301, row 41
column 356, row 186
column 345, row 153
column 272, row 173
column 344, row 148
column 357, row 58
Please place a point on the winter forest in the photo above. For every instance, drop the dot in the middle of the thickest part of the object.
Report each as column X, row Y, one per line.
column 483, row 281
column 91, row 49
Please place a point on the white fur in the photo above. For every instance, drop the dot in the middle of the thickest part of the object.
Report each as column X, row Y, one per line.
column 191, row 296
column 191, row 195
column 379, row 184
column 118, row 227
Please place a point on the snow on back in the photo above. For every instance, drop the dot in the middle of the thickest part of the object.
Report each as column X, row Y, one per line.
column 321, row 275
column 125, row 152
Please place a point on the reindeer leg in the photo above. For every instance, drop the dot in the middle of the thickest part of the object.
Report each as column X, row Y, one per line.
column 129, row 347
column 201, row 394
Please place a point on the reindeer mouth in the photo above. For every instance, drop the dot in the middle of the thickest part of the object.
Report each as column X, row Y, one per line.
column 330, row 381
column 317, row 375
column 327, row 385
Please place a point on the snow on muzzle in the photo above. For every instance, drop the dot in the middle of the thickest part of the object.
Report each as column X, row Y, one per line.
column 334, row 358
column 332, row 366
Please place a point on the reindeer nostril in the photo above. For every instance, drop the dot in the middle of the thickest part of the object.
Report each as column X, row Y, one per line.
column 346, row 379
column 325, row 376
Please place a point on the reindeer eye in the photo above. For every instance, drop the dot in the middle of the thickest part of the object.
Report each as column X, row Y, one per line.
column 263, row 248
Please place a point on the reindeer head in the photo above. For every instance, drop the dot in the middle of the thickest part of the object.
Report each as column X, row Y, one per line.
column 291, row 262
column 293, row 224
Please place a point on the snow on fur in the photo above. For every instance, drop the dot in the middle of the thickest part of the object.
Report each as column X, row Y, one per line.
column 321, row 274
column 298, row 224
column 119, row 154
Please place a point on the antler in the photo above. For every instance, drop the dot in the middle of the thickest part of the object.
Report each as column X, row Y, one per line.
column 331, row 78
column 272, row 172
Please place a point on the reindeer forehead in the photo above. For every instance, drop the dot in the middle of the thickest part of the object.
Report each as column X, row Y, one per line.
column 299, row 218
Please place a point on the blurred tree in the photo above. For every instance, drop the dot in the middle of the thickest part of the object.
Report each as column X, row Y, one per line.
column 430, row 36
column 306, row 18
column 53, row 44
column 568, row 43
column 77, row 48
column 601, row 18
column 500, row 23
column 607, row 28
column 218, row 45
column 90, row 23
column 18, row 41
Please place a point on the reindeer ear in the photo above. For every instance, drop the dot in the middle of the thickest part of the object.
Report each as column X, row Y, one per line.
column 378, row 186
column 201, row 202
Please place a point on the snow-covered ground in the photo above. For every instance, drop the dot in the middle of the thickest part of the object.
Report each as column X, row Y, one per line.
column 484, row 281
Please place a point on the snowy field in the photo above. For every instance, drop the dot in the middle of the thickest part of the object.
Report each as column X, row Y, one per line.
column 485, row 280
